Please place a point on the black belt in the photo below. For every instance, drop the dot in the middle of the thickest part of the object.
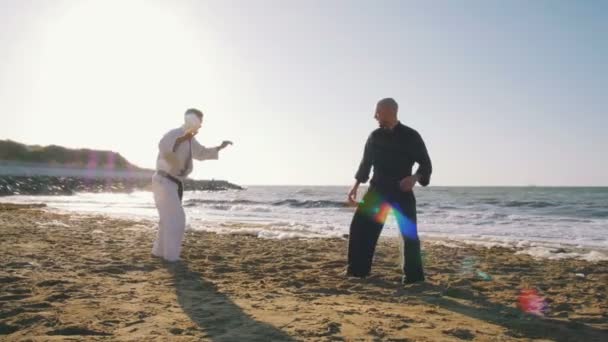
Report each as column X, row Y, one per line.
column 180, row 185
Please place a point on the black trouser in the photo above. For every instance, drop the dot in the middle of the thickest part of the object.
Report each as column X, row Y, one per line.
column 367, row 225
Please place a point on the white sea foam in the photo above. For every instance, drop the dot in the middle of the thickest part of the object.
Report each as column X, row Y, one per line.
column 53, row 223
column 558, row 254
column 537, row 222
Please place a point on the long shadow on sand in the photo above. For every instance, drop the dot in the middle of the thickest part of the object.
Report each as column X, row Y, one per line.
column 519, row 324
column 215, row 313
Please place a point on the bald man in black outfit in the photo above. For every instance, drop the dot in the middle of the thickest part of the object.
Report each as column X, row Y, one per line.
column 392, row 151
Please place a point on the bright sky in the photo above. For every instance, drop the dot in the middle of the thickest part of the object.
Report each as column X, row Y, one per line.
column 503, row 92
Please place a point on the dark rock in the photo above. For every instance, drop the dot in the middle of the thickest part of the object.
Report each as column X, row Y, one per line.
column 55, row 185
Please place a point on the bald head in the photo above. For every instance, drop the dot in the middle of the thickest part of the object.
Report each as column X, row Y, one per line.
column 386, row 112
column 389, row 102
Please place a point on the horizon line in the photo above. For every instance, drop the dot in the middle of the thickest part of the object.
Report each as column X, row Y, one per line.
column 437, row 186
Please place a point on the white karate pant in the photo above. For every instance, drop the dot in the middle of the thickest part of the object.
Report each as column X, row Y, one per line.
column 172, row 219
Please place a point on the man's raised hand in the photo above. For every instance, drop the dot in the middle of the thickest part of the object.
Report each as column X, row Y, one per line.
column 225, row 144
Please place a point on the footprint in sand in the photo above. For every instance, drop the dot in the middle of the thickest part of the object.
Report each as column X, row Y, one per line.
column 333, row 328
column 16, row 290
column 76, row 330
column 52, row 282
column 333, row 264
column 10, row 280
column 57, row 297
column 462, row 334
column 377, row 331
column 29, row 321
column 6, row 329
column 10, row 298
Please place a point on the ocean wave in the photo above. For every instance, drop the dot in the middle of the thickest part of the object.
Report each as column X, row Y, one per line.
column 311, row 203
column 196, row 202
column 599, row 214
column 293, row 203
column 530, row 204
column 515, row 204
column 493, row 201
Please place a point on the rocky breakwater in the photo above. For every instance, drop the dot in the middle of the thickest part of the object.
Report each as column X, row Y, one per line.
column 68, row 185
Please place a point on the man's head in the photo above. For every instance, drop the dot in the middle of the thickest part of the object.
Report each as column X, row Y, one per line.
column 386, row 112
column 193, row 120
column 196, row 112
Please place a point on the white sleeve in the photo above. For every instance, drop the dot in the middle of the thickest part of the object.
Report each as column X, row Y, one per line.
column 165, row 146
column 200, row 152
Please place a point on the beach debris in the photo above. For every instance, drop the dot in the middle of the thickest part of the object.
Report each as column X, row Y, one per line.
column 484, row 276
column 467, row 268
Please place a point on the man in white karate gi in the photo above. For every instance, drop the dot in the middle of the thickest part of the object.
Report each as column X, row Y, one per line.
column 176, row 150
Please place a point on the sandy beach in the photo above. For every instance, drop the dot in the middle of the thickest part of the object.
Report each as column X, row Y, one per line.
column 68, row 276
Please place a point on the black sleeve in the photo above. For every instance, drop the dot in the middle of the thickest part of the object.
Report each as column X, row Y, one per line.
column 365, row 166
column 425, row 168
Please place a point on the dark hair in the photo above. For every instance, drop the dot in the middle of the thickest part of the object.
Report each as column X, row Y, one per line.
column 194, row 111
column 389, row 101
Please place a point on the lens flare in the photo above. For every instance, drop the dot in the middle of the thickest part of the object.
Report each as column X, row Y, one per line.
column 92, row 162
column 530, row 301
column 468, row 268
column 110, row 160
column 382, row 212
column 377, row 208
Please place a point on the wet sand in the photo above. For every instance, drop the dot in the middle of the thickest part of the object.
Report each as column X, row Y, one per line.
column 68, row 276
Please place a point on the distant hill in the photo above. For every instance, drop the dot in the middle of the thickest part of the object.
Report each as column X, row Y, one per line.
column 60, row 156
column 56, row 170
